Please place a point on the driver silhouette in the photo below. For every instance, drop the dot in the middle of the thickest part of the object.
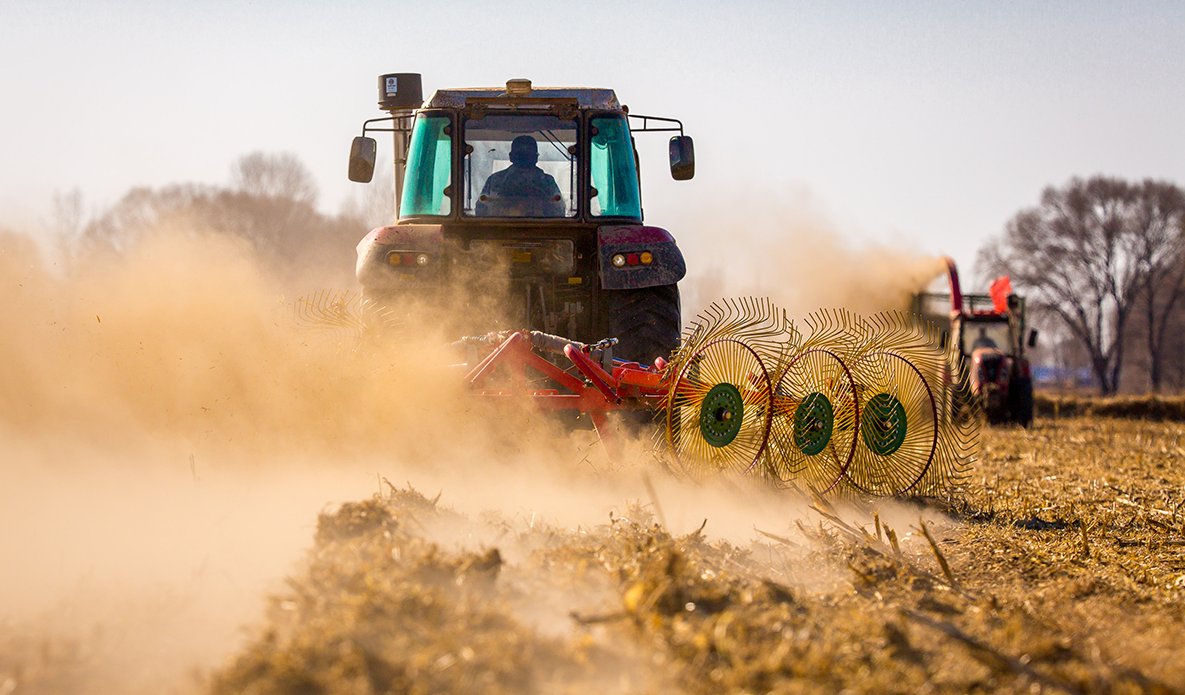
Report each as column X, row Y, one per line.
column 983, row 341
column 522, row 189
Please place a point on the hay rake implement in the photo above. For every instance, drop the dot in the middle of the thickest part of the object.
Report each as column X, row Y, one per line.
column 858, row 405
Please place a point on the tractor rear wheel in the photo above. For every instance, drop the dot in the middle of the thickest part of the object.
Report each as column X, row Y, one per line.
column 645, row 321
column 1020, row 406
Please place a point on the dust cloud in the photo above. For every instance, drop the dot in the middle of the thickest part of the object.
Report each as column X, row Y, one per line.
column 169, row 437
column 791, row 252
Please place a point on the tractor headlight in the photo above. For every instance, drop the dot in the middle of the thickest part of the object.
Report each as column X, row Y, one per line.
column 618, row 260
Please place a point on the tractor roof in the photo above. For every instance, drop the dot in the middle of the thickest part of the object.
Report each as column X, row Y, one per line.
column 585, row 98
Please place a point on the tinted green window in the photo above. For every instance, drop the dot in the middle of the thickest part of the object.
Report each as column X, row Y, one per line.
column 429, row 168
column 613, row 169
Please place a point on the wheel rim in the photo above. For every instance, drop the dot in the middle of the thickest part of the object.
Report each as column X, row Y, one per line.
column 883, row 424
column 721, row 415
column 813, row 421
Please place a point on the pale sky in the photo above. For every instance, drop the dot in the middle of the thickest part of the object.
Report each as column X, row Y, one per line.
column 925, row 125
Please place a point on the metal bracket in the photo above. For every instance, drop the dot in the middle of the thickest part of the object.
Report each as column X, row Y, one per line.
column 399, row 124
column 646, row 124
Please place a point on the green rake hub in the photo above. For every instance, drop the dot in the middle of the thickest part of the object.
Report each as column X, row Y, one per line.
column 883, row 424
column 721, row 415
column 814, row 420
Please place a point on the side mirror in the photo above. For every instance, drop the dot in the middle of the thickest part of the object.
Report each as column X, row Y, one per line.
column 362, row 152
column 1033, row 338
column 682, row 158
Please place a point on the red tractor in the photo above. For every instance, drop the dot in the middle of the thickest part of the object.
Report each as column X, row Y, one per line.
column 520, row 208
column 988, row 330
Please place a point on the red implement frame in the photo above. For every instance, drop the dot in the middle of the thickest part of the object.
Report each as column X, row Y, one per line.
column 595, row 391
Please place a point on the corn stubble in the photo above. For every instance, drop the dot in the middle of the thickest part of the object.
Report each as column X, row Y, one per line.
column 1063, row 572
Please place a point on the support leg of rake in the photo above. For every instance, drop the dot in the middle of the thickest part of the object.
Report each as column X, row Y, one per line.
column 608, row 436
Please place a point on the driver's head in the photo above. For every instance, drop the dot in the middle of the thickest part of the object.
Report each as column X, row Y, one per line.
column 524, row 151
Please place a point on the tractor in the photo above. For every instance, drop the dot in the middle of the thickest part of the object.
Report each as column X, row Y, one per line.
column 530, row 195
column 988, row 332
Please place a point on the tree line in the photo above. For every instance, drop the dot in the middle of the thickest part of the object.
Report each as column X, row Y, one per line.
column 1103, row 261
column 269, row 202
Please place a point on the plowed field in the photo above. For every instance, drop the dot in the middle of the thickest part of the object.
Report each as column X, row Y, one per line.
column 1058, row 566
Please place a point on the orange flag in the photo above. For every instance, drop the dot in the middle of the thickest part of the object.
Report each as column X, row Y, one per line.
column 1001, row 288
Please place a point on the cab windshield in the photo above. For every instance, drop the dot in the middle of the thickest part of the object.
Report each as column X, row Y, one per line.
column 986, row 335
column 520, row 165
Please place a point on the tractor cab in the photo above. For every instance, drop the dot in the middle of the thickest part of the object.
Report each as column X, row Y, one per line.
column 516, row 153
column 987, row 331
column 537, row 186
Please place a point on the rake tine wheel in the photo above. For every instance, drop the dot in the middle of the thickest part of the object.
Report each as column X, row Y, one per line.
column 959, row 422
column 898, row 425
column 718, row 410
column 815, row 426
column 343, row 318
column 915, row 341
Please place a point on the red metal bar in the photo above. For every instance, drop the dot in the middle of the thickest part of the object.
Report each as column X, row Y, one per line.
column 630, row 385
column 553, row 372
column 644, row 379
column 486, row 366
column 516, row 351
column 591, row 371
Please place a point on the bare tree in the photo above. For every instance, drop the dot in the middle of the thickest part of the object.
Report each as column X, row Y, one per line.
column 274, row 176
column 1158, row 231
column 287, row 236
column 121, row 227
column 1075, row 252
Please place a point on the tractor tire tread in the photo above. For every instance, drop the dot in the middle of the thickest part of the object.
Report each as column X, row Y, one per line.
column 645, row 321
